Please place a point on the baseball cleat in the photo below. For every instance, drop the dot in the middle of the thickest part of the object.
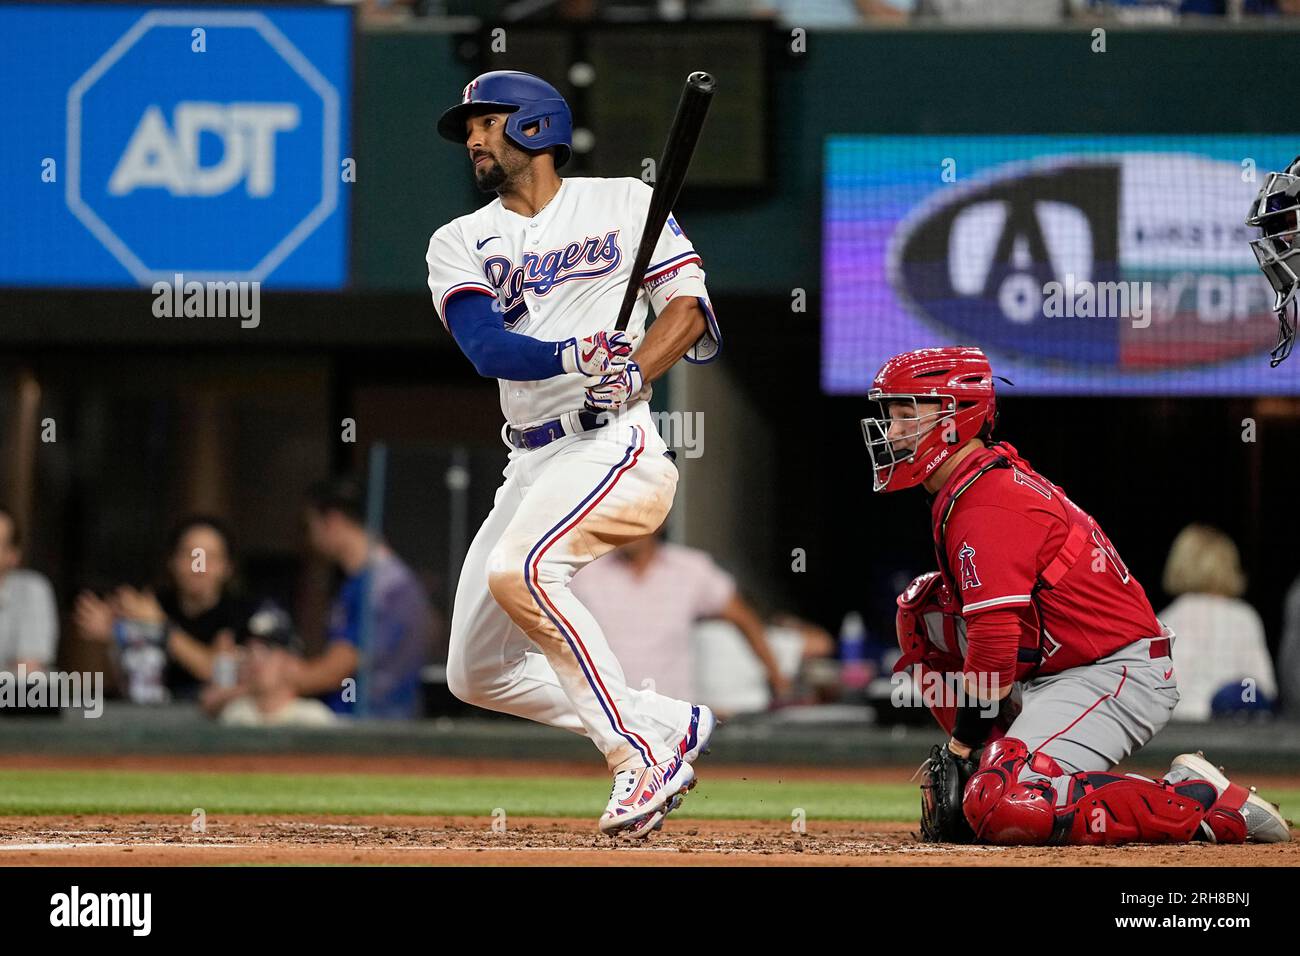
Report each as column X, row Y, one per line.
column 676, row 801
column 698, row 732
column 655, row 822
column 641, row 798
column 1264, row 822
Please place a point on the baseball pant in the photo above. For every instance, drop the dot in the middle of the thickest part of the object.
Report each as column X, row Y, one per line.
column 1091, row 717
column 560, row 507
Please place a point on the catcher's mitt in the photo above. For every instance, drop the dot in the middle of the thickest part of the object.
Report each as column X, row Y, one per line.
column 943, row 778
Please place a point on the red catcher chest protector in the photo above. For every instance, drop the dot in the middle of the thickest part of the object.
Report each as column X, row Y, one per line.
column 1029, row 657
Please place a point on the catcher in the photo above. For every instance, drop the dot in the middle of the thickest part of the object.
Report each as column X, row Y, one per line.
column 1031, row 596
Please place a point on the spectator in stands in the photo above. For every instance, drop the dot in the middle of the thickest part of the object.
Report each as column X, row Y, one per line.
column 381, row 606
column 197, row 612
column 266, row 694
column 1220, row 651
column 730, row 679
column 1288, row 654
column 647, row 596
column 29, row 617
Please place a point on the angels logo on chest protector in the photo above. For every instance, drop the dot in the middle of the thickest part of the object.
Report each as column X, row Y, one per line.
column 539, row 273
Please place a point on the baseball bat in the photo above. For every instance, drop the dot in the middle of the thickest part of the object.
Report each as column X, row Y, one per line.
column 676, row 159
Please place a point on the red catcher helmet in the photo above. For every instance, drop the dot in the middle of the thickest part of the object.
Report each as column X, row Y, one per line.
column 959, row 379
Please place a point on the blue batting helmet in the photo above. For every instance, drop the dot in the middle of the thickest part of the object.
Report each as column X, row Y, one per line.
column 528, row 99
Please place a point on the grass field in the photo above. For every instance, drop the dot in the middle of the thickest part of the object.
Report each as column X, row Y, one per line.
column 98, row 811
column 44, row 792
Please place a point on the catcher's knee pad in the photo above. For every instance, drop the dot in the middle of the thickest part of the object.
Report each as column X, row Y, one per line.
column 1001, row 809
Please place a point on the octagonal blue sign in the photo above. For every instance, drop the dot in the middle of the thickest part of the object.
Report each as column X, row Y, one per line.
column 196, row 141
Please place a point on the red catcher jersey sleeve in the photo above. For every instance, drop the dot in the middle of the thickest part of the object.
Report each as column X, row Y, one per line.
column 995, row 557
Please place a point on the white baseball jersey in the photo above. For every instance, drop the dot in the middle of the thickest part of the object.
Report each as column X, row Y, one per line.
column 562, row 274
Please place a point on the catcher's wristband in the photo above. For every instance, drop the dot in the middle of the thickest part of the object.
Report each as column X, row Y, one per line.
column 974, row 724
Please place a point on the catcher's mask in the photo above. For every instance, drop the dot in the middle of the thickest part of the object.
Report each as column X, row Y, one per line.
column 1275, row 212
column 931, row 401
column 895, row 436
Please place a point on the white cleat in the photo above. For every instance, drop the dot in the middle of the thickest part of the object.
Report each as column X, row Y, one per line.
column 1264, row 822
column 699, row 731
column 641, row 798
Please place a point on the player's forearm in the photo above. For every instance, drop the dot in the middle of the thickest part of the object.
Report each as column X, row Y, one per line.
column 214, row 699
column 496, row 352
column 325, row 674
column 993, row 640
column 740, row 614
column 193, row 655
column 670, row 336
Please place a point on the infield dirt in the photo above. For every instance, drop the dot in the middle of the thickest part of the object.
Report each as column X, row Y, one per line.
column 154, row 839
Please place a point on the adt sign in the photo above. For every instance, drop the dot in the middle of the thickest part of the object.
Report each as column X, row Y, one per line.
column 204, row 143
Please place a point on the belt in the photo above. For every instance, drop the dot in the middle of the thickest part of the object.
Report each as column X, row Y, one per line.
column 1159, row 648
column 539, row 436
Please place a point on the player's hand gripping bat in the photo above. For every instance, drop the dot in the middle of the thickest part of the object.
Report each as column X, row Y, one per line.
column 697, row 94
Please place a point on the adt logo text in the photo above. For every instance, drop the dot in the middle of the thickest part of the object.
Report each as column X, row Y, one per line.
column 159, row 157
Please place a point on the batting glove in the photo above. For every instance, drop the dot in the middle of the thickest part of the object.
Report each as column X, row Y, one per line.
column 617, row 388
column 596, row 355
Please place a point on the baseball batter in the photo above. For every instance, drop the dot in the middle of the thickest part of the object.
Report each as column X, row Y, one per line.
column 528, row 286
column 1031, row 596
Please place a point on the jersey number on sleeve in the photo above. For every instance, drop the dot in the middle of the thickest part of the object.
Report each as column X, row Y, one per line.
column 1104, row 546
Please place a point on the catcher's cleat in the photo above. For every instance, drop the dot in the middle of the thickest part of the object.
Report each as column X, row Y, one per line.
column 695, row 741
column 1264, row 822
column 642, row 797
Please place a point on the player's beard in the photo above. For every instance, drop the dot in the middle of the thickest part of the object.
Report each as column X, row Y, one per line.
column 491, row 177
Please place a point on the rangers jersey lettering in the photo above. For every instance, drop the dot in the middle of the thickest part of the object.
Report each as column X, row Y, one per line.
column 562, row 274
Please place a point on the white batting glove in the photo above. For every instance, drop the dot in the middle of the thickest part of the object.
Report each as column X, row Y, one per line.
column 596, row 355
column 617, row 388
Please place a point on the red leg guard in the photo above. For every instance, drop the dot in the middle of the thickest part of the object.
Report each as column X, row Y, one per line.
column 1224, row 821
column 1113, row 808
column 1101, row 808
column 1002, row 810
column 1226, row 824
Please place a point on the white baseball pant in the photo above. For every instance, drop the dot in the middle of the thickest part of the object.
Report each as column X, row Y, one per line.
column 560, row 507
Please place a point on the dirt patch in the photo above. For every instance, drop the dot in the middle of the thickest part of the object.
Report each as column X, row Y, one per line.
column 152, row 840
